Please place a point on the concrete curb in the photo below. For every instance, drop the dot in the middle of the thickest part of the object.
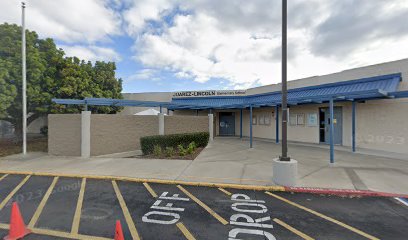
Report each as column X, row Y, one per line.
column 327, row 191
column 343, row 192
column 150, row 180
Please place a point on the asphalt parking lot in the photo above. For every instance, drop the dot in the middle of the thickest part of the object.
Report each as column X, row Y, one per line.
column 81, row 208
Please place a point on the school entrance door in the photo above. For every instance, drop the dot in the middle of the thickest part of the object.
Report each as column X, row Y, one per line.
column 227, row 124
column 324, row 120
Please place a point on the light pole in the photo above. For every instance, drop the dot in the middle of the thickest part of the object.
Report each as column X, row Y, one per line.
column 284, row 156
column 24, row 83
column 284, row 168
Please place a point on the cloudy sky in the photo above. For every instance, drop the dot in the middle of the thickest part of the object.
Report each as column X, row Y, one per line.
column 167, row 45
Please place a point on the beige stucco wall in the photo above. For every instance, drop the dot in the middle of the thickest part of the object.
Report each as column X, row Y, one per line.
column 185, row 124
column 119, row 133
column 382, row 125
column 64, row 134
column 113, row 133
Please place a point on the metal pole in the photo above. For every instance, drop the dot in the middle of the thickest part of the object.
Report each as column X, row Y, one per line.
column 284, row 156
column 277, row 123
column 353, row 126
column 250, row 126
column 24, row 83
column 331, row 131
column 240, row 124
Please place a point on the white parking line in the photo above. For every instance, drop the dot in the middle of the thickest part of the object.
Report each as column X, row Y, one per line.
column 402, row 200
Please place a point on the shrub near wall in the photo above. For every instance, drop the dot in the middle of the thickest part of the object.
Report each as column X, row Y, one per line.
column 173, row 140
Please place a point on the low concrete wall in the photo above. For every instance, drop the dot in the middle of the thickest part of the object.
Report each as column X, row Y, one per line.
column 112, row 133
column 64, row 138
column 120, row 133
column 185, row 124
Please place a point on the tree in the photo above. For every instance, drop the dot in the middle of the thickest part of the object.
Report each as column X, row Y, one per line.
column 49, row 75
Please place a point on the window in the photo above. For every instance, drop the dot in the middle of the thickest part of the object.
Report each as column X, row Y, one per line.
column 297, row 119
column 265, row 119
column 261, row 119
column 312, row 119
column 292, row 119
column 268, row 120
column 300, row 119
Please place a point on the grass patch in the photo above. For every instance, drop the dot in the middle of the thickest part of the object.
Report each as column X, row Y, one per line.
column 9, row 147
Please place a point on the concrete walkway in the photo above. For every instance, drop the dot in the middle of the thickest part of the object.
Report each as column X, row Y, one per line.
column 228, row 160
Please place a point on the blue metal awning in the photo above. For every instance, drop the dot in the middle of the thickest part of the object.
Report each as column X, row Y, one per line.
column 354, row 90
column 69, row 101
column 120, row 103
column 361, row 89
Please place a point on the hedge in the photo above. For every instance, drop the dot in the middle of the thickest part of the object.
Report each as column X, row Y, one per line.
column 173, row 140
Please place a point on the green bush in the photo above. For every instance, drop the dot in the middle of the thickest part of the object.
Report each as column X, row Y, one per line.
column 169, row 151
column 174, row 140
column 191, row 148
column 157, row 151
column 182, row 150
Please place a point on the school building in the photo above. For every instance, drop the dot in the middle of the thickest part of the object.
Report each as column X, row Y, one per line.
column 365, row 108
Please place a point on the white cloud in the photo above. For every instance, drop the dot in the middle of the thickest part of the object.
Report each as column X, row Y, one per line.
column 85, row 21
column 236, row 41
column 144, row 74
column 91, row 53
column 240, row 40
column 193, row 46
column 137, row 16
column 79, row 25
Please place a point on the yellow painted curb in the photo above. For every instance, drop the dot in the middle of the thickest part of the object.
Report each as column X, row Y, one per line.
column 161, row 181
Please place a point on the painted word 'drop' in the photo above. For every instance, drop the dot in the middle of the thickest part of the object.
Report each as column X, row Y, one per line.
column 247, row 225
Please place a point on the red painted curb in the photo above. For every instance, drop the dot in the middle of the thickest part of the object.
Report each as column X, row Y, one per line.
column 343, row 192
